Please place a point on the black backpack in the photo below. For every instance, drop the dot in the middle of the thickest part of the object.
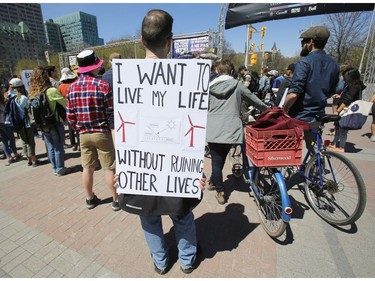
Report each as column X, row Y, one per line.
column 12, row 115
column 40, row 114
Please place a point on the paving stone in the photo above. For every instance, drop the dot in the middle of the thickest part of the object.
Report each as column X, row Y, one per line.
column 34, row 264
column 21, row 272
column 45, row 272
column 61, row 265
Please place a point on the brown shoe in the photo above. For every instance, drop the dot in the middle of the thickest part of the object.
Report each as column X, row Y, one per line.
column 210, row 186
column 220, row 197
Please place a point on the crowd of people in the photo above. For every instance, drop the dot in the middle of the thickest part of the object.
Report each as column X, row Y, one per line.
column 88, row 102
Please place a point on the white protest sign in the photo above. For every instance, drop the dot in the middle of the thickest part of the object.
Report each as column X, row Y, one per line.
column 160, row 109
column 25, row 77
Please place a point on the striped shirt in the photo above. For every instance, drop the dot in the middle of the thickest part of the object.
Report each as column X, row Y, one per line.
column 89, row 104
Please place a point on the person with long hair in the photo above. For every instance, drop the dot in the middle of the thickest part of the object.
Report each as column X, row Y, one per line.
column 53, row 137
column 7, row 137
column 351, row 92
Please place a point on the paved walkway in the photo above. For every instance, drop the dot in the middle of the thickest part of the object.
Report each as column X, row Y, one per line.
column 46, row 230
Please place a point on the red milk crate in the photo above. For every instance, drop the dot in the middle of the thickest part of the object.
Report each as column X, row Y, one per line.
column 274, row 148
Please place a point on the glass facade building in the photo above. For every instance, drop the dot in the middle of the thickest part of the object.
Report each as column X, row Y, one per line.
column 79, row 30
column 53, row 36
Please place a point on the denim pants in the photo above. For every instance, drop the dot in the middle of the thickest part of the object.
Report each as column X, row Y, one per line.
column 54, row 140
column 7, row 140
column 186, row 239
column 341, row 136
column 219, row 152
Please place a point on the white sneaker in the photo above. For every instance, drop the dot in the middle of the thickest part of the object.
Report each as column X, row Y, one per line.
column 372, row 138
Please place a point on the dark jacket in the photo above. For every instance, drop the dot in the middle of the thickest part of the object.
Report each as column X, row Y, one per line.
column 314, row 81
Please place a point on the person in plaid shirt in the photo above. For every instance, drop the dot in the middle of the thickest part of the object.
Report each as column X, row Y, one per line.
column 89, row 106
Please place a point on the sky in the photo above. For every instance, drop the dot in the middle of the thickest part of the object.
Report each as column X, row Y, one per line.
column 117, row 20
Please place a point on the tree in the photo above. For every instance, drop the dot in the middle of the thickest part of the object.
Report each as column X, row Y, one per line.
column 26, row 64
column 348, row 32
column 228, row 52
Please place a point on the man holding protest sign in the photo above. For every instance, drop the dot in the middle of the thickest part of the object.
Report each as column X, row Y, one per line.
column 147, row 134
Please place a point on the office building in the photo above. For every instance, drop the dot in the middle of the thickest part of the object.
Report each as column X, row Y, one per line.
column 21, row 36
column 79, row 30
column 54, row 37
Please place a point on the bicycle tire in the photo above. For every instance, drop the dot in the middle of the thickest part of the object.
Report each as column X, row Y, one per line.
column 340, row 202
column 269, row 205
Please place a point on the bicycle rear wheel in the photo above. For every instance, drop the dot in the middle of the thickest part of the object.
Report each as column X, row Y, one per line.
column 342, row 198
column 269, row 202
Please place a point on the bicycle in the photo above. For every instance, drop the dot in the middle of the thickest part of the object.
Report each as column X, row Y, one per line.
column 266, row 181
column 334, row 187
column 332, row 183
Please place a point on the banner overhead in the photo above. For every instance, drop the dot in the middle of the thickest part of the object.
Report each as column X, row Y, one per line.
column 242, row 14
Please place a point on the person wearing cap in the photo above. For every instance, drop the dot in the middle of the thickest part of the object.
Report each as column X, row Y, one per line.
column 285, row 84
column 89, row 105
column 17, row 91
column 314, row 80
column 67, row 78
column 278, row 79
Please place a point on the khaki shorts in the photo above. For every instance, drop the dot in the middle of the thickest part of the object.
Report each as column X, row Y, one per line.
column 97, row 146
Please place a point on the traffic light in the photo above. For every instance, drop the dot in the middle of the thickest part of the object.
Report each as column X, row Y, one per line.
column 266, row 55
column 251, row 32
column 252, row 47
column 253, row 59
column 262, row 30
column 261, row 46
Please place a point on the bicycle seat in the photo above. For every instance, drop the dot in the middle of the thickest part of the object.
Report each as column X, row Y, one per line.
column 326, row 118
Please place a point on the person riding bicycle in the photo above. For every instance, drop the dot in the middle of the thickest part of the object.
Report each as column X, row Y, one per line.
column 224, row 126
column 314, row 80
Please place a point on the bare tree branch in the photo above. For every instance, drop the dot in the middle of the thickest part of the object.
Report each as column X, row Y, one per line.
column 348, row 31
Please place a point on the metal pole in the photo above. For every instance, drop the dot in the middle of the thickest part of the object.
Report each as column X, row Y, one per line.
column 247, row 46
column 221, row 31
column 368, row 36
column 135, row 49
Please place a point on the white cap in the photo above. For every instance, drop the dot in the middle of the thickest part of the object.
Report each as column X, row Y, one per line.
column 16, row 82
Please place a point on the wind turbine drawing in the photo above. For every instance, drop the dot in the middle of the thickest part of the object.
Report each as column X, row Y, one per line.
column 122, row 126
column 191, row 131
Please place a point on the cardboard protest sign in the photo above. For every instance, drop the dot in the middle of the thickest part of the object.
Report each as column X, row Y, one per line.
column 25, row 77
column 160, row 109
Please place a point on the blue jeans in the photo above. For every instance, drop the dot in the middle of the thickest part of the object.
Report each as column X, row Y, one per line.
column 54, row 139
column 219, row 152
column 186, row 239
column 7, row 140
column 341, row 136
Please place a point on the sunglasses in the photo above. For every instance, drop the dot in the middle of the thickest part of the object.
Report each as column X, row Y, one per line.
column 304, row 41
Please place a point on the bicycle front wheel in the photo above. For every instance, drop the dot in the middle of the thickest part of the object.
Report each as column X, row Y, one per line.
column 269, row 205
column 341, row 198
